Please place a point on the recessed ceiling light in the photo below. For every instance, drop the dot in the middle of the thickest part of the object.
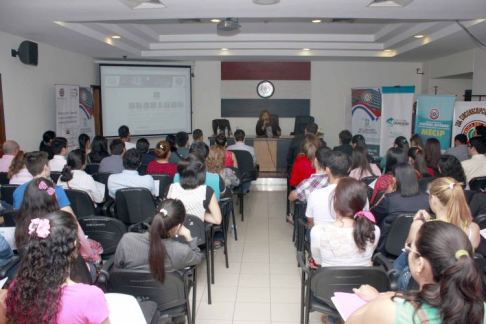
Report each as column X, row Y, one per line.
column 306, row 49
column 224, row 49
column 419, row 36
column 316, row 21
column 216, row 20
column 116, row 37
column 388, row 50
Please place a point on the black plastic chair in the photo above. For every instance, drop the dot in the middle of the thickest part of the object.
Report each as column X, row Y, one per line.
column 10, row 268
column 142, row 169
column 165, row 181
column 103, row 178
column 107, row 231
column 395, row 240
column 248, row 173
column 134, row 205
column 369, row 180
column 55, row 175
column 7, row 191
column 3, row 178
column 300, row 123
column 481, row 221
column 81, row 203
column 319, row 286
column 424, row 183
column 92, row 168
column 378, row 197
column 478, row 184
column 9, row 217
column 299, row 213
column 222, row 124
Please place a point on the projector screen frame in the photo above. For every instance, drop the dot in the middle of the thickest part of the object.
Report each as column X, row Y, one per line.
column 191, row 75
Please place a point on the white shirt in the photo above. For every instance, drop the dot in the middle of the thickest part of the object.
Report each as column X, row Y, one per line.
column 83, row 181
column 57, row 163
column 129, row 145
column 21, row 177
column 474, row 167
column 243, row 147
column 130, row 179
column 333, row 246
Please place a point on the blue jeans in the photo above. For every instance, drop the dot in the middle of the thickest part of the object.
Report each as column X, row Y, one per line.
column 404, row 274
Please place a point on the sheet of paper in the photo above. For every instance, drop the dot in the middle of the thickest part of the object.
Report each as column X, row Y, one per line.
column 9, row 234
column 157, row 187
column 347, row 303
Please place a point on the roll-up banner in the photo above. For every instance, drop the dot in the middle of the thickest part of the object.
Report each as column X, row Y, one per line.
column 434, row 118
column 396, row 112
column 467, row 116
column 86, row 112
column 365, row 120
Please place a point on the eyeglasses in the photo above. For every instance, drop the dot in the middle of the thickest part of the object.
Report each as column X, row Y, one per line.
column 408, row 248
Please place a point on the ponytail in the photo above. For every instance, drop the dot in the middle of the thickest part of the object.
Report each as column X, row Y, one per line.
column 457, row 207
column 66, row 174
column 157, row 250
column 364, row 229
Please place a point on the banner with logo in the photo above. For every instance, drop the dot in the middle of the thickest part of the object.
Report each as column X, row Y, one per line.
column 365, row 120
column 396, row 112
column 86, row 112
column 67, row 117
column 434, row 118
column 468, row 115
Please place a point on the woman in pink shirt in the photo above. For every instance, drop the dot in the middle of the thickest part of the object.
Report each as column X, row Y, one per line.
column 42, row 291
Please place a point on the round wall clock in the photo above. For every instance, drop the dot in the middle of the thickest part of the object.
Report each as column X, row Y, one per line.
column 265, row 89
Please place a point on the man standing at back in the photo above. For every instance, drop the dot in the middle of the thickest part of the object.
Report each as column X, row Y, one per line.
column 10, row 149
column 460, row 150
column 240, row 145
column 124, row 133
column 114, row 162
column 296, row 144
column 182, row 142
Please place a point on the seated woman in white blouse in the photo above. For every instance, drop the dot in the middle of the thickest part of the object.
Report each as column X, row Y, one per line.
column 74, row 177
column 352, row 238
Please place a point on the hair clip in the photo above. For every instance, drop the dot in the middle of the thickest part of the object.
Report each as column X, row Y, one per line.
column 163, row 211
column 44, row 187
column 461, row 253
column 365, row 213
column 161, row 147
column 40, row 226
column 451, row 185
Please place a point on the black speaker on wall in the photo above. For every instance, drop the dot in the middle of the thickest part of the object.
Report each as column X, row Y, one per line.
column 27, row 53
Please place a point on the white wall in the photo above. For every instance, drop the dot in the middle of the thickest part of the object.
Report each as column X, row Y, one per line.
column 479, row 83
column 28, row 91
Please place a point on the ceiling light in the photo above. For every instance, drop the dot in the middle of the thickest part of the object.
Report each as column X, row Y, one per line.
column 116, row 37
column 316, row 21
column 224, row 49
column 388, row 50
column 419, row 36
column 265, row 2
column 215, row 20
column 306, row 49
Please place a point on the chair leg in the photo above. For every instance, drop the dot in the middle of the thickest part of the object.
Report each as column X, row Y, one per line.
column 208, row 269
column 234, row 221
column 194, row 291
column 225, row 238
column 302, row 298
column 212, row 257
column 242, row 209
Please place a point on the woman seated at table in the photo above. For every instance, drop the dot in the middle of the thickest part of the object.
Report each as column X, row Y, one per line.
column 162, row 165
column 267, row 127
column 156, row 249
column 230, row 157
column 302, row 168
column 17, row 172
column 450, row 292
column 198, row 198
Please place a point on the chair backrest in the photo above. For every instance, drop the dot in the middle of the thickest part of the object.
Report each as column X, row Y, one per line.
column 222, row 124
column 7, row 191
column 141, row 285
column 369, row 180
column 108, row 231
column 424, row 183
column 142, row 169
column 165, row 181
column 103, row 178
column 3, row 178
column 197, row 228
column 477, row 184
column 398, row 234
column 9, row 217
column 55, row 175
column 134, row 205
column 300, row 123
column 481, row 221
column 81, row 203
column 92, row 168
column 326, row 281
column 245, row 165
column 274, row 119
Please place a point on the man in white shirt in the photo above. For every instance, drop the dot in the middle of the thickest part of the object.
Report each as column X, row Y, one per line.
column 59, row 147
column 320, row 210
column 476, row 166
column 124, row 133
column 10, row 149
column 129, row 178
column 240, row 145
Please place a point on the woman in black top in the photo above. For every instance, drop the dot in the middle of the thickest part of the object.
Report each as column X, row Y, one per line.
column 99, row 149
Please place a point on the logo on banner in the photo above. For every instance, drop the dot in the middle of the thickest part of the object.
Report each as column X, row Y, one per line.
column 61, row 92
column 389, row 122
column 398, row 122
column 468, row 129
column 434, row 113
column 367, row 97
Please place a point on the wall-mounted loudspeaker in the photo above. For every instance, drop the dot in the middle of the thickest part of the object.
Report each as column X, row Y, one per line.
column 27, row 53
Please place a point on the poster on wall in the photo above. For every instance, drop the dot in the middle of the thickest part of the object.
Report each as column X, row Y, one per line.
column 434, row 118
column 468, row 115
column 86, row 112
column 365, row 117
column 67, row 117
column 396, row 112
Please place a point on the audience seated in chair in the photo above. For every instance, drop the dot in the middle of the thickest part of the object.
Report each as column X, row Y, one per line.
column 296, row 144
column 45, row 144
column 59, row 147
column 9, row 149
column 345, row 137
column 476, row 166
column 450, row 166
column 302, row 168
column 124, row 134
column 416, row 141
column 394, row 156
column 74, row 177
column 240, row 145
column 182, row 143
column 215, row 164
column 18, row 173
column 320, row 210
column 52, row 246
column 417, row 160
column 84, row 143
column 114, row 162
column 162, row 165
column 99, row 149
column 198, row 198
column 230, row 158
column 432, row 155
column 197, row 135
column 460, row 149
column 129, row 178
column 361, row 166
column 143, row 146
column 401, row 143
column 359, row 140
column 449, row 280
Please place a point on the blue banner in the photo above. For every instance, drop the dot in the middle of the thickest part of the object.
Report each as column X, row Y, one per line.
column 434, row 118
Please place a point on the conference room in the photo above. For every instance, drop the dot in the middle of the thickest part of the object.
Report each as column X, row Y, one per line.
column 282, row 80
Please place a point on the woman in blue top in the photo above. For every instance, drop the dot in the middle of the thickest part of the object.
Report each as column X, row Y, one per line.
column 450, row 292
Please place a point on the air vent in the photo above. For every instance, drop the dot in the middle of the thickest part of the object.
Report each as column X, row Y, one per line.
column 143, row 4
column 189, row 21
column 389, row 3
column 343, row 20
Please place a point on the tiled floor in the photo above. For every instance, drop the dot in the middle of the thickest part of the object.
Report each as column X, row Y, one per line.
column 262, row 283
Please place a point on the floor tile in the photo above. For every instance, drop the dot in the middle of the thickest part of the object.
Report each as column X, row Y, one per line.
column 253, row 295
column 252, row 312
column 285, row 312
column 215, row 311
column 284, row 268
column 221, row 294
column 285, row 281
column 254, row 280
column 253, row 267
column 226, row 280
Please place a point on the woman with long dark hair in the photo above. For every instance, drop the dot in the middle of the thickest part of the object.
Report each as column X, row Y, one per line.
column 394, row 156
column 416, row 141
column 84, row 142
column 361, row 166
column 157, row 249
column 401, row 143
column 99, row 149
column 42, row 292
column 73, row 176
column 450, row 292
column 450, row 166
column 431, row 155
column 416, row 159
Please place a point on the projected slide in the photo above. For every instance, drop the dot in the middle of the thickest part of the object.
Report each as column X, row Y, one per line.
column 150, row 100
